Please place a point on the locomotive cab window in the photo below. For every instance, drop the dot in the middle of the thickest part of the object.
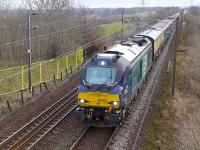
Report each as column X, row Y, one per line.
column 99, row 75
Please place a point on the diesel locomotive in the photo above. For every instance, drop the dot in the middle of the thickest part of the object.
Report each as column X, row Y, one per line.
column 110, row 80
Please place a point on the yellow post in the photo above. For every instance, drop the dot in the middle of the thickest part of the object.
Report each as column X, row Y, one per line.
column 58, row 70
column 40, row 72
column 66, row 63
column 76, row 59
column 81, row 56
column 22, row 77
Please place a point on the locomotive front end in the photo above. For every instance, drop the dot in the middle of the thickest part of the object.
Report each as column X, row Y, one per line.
column 99, row 97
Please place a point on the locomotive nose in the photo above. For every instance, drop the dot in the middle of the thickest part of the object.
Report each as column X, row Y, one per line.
column 97, row 99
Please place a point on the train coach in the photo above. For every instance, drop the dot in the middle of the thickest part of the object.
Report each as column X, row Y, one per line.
column 110, row 80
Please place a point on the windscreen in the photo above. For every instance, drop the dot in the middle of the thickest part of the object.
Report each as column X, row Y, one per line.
column 98, row 75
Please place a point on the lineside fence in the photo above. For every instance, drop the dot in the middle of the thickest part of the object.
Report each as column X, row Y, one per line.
column 16, row 79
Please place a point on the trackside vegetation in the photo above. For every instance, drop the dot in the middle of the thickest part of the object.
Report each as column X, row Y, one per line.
column 176, row 124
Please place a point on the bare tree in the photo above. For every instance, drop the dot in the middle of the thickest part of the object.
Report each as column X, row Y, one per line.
column 48, row 6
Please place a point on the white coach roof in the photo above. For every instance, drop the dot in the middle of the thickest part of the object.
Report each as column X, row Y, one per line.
column 163, row 24
column 153, row 33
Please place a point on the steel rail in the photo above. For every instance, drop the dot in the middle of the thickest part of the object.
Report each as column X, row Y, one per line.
column 76, row 143
column 110, row 139
column 38, row 123
column 79, row 139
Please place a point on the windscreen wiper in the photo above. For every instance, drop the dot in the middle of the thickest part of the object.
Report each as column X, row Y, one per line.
column 87, row 84
column 103, row 84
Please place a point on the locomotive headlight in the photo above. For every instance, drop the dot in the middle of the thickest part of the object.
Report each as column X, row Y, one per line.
column 82, row 101
column 115, row 103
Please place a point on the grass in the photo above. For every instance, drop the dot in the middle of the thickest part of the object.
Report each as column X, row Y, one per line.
column 176, row 123
column 110, row 28
column 15, row 79
column 159, row 108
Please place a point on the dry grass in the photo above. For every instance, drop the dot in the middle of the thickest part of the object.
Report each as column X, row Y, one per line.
column 179, row 125
column 187, row 122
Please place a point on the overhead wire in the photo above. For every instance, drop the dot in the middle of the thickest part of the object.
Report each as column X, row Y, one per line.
column 43, row 25
column 39, row 36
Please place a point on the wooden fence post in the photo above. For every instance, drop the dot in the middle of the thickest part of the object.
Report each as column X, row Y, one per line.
column 71, row 69
column 66, row 72
column 61, row 76
column 9, row 107
column 22, row 97
column 54, row 79
column 45, row 85
column 33, row 88
column 40, row 87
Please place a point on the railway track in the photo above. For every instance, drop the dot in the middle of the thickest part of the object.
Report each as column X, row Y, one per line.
column 94, row 138
column 30, row 134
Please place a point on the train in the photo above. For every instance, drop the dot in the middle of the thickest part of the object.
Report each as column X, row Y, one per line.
column 110, row 80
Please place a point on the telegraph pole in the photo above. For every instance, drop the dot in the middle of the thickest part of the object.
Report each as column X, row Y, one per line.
column 174, row 62
column 142, row 4
column 29, row 50
column 29, row 47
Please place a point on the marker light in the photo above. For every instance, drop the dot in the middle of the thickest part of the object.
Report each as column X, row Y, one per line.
column 82, row 101
column 103, row 63
column 115, row 103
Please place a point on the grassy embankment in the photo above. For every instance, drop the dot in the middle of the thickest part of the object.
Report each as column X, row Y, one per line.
column 176, row 122
column 112, row 27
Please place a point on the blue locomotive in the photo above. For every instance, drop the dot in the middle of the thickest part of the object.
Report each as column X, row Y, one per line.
column 110, row 80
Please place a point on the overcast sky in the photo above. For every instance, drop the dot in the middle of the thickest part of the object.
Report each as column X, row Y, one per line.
column 126, row 3
column 135, row 3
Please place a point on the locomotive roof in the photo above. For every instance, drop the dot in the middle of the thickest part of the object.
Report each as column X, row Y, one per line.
column 129, row 49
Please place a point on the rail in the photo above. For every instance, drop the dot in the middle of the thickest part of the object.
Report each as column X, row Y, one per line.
column 46, row 121
column 87, row 132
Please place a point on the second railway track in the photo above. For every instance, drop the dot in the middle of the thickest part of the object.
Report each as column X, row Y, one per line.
column 30, row 134
column 94, row 138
